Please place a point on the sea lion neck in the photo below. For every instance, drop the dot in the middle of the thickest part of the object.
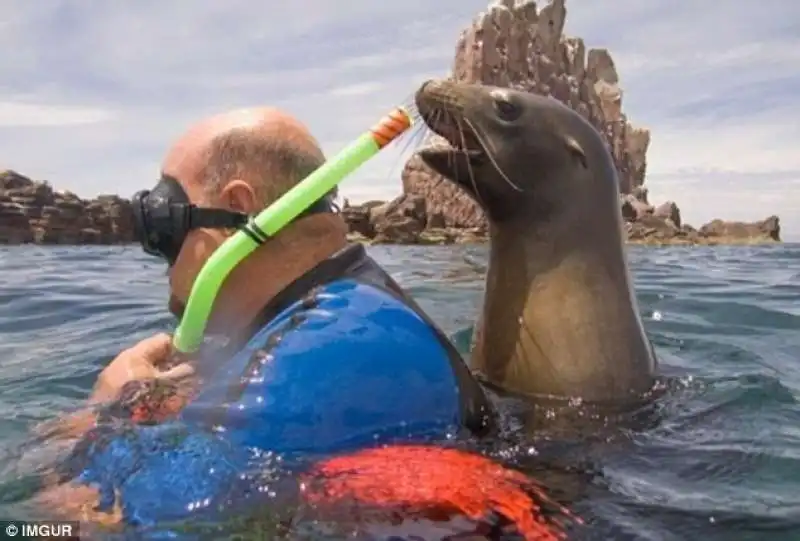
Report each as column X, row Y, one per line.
column 556, row 284
column 542, row 245
column 523, row 342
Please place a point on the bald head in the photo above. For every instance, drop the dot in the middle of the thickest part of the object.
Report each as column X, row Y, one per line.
column 264, row 147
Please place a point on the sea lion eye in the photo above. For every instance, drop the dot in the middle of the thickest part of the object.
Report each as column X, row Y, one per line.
column 506, row 109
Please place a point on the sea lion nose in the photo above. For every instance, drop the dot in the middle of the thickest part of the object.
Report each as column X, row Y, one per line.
column 431, row 85
column 429, row 93
column 424, row 88
column 422, row 96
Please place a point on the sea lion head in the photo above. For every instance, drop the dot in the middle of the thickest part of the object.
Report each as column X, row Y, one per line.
column 518, row 154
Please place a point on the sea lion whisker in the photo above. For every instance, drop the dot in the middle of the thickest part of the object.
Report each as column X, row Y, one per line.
column 411, row 140
column 440, row 114
column 409, row 105
column 488, row 151
column 430, row 132
column 416, row 136
column 469, row 164
column 418, row 130
column 450, row 118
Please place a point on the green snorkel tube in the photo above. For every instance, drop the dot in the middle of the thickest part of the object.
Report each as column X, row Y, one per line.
column 188, row 336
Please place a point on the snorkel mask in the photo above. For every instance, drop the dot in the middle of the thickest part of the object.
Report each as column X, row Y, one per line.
column 164, row 217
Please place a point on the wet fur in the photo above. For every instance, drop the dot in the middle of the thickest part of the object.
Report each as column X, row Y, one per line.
column 560, row 319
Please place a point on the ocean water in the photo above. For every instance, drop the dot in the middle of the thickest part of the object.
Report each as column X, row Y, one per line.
column 721, row 462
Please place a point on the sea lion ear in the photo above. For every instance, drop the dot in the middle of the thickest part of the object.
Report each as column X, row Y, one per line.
column 576, row 150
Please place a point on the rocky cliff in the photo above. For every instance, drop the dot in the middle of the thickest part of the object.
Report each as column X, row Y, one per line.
column 514, row 44
column 32, row 212
column 409, row 219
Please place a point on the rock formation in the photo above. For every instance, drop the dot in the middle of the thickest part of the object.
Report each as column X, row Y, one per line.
column 32, row 212
column 409, row 220
column 405, row 220
column 512, row 44
column 515, row 45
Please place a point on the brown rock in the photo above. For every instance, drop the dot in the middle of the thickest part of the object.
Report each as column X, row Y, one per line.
column 400, row 221
column 640, row 193
column 11, row 180
column 404, row 220
column 397, row 229
column 512, row 44
column 634, row 209
column 436, row 221
column 358, row 220
column 16, row 235
column 660, row 228
column 629, row 213
column 669, row 211
column 443, row 198
column 767, row 230
column 31, row 212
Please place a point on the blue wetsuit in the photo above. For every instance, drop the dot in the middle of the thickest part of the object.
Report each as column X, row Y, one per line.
column 340, row 360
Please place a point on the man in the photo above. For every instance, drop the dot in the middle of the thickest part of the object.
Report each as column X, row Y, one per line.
column 354, row 363
column 241, row 161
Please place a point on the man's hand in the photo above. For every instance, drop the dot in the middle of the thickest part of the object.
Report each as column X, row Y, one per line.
column 145, row 360
column 77, row 502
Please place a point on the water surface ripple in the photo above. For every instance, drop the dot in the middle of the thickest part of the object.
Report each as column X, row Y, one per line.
column 723, row 462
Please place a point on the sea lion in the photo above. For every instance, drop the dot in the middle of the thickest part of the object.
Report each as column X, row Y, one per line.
column 560, row 318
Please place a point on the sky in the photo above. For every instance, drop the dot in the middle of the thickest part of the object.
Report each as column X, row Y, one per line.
column 92, row 92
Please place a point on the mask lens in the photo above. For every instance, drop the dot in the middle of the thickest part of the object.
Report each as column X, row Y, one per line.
column 154, row 224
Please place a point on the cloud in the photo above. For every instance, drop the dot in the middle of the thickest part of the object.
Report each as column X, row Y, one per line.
column 23, row 115
column 720, row 90
column 94, row 91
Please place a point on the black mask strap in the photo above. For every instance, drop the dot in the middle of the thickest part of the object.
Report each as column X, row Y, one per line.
column 212, row 218
column 202, row 217
column 163, row 218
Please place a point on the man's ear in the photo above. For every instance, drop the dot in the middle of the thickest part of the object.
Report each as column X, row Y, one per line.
column 239, row 196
